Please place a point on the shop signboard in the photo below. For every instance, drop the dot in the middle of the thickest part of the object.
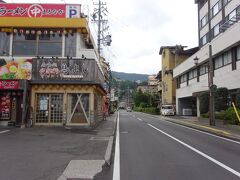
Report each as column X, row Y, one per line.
column 15, row 69
column 40, row 10
column 78, row 70
column 9, row 84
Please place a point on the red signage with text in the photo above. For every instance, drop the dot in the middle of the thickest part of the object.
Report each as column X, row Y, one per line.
column 9, row 84
column 40, row 10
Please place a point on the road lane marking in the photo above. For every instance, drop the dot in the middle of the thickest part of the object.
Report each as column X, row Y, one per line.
column 116, row 170
column 1, row 132
column 199, row 152
column 197, row 130
column 139, row 119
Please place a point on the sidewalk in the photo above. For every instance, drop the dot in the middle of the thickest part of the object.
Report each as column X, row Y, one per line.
column 221, row 129
column 87, row 169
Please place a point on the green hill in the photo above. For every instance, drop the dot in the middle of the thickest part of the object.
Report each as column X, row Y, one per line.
column 130, row 76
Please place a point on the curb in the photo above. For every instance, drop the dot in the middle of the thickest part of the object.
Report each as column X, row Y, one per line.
column 109, row 150
column 108, row 153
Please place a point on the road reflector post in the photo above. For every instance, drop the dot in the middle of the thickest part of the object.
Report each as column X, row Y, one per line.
column 235, row 109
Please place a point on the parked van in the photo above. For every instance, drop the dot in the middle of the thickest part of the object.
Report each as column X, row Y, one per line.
column 167, row 110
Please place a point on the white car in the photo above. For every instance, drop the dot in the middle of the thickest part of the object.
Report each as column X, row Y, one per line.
column 167, row 110
column 129, row 109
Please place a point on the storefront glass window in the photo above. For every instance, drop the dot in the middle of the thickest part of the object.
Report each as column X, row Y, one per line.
column 42, row 108
column 32, row 45
column 70, row 45
column 49, row 108
column 4, row 44
column 78, row 107
column 49, row 45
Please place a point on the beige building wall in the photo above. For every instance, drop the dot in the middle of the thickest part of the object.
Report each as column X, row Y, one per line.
column 169, row 61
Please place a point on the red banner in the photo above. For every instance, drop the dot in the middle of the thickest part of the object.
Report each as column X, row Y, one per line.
column 40, row 10
column 9, row 84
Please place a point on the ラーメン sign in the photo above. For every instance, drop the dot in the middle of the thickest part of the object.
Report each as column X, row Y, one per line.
column 40, row 10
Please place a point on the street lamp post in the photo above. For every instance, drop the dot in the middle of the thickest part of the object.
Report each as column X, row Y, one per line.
column 211, row 88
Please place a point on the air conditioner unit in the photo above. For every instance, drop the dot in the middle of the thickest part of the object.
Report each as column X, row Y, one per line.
column 187, row 112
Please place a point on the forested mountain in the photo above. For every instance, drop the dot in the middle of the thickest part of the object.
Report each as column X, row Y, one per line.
column 130, row 76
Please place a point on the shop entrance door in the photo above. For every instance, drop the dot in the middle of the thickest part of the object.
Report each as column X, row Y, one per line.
column 49, row 109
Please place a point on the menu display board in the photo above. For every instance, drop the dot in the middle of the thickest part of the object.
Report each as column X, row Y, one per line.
column 5, row 106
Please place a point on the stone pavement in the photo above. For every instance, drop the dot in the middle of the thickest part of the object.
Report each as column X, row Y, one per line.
column 221, row 128
column 87, row 169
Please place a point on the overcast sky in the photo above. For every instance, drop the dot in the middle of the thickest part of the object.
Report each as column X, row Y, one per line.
column 140, row 27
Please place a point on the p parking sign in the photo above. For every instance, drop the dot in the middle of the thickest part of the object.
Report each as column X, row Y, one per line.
column 73, row 11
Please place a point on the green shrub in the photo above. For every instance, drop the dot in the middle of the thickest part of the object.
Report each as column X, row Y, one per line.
column 149, row 110
column 229, row 115
column 221, row 99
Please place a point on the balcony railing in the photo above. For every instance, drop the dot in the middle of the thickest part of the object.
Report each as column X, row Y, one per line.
column 227, row 23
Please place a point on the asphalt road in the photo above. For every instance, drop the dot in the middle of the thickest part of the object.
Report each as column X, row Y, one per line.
column 153, row 149
column 43, row 153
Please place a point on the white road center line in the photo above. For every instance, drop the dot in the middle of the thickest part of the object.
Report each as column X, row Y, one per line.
column 139, row 119
column 199, row 152
column 116, row 169
column 1, row 132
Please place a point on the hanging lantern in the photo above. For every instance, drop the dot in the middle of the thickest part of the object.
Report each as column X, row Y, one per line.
column 15, row 31
column 21, row 31
column 64, row 32
column 33, row 32
column 58, row 31
column 70, row 31
column 45, row 32
column 51, row 32
column 27, row 32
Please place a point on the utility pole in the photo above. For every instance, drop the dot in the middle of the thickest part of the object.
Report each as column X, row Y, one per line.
column 99, row 27
column 99, row 17
column 211, row 89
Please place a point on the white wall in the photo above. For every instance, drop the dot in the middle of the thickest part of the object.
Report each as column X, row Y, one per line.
column 203, row 11
column 227, row 39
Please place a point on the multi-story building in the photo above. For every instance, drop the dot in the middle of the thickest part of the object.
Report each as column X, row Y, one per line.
column 50, row 72
column 172, row 56
column 219, row 48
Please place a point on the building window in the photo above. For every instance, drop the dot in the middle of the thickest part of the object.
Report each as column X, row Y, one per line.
column 32, row 45
column 204, row 20
column 238, row 53
column 193, row 74
column 227, row 58
column 71, row 45
column 225, row 2
column 216, row 30
column 218, row 62
column 4, row 44
column 183, row 78
column 204, row 39
column 203, row 69
column 215, row 9
column 25, row 45
column 49, row 45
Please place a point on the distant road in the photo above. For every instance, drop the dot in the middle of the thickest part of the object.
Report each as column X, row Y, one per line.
column 153, row 149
